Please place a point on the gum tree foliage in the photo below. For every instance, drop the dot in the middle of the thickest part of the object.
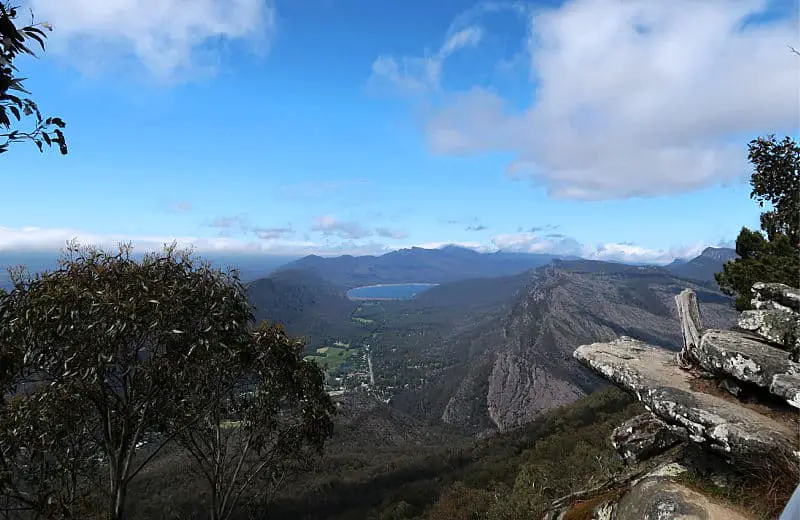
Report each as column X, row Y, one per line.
column 773, row 253
column 269, row 414
column 108, row 346
column 47, row 459
column 16, row 109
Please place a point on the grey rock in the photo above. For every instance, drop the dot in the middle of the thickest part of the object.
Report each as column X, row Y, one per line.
column 730, row 386
column 780, row 327
column 643, row 436
column 768, row 294
column 652, row 375
column 746, row 359
column 659, row 499
column 786, row 386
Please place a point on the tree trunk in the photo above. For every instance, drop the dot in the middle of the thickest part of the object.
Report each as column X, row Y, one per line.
column 116, row 510
column 691, row 327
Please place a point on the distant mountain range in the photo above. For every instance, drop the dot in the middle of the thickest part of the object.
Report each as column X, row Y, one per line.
column 443, row 265
column 309, row 295
column 447, row 264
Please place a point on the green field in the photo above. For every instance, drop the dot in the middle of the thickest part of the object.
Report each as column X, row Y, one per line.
column 333, row 357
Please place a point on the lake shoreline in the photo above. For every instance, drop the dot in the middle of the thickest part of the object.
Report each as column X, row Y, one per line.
column 416, row 287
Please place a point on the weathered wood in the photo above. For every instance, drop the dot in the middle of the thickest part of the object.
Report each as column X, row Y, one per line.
column 691, row 326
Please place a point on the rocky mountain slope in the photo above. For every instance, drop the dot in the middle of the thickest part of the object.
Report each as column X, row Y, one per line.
column 305, row 304
column 507, row 371
column 704, row 266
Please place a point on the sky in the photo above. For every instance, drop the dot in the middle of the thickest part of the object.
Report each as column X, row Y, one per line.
column 610, row 129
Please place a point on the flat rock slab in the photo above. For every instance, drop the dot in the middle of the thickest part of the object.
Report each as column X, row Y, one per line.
column 657, row 499
column 750, row 360
column 651, row 373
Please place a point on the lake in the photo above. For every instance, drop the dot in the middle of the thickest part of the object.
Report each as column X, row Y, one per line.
column 397, row 291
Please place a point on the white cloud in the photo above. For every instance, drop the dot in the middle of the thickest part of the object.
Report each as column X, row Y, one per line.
column 417, row 74
column 477, row 246
column 227, row 222
column 636, row 98
column 396, row 234
column 530, row 242
column 557, row 244
column 54, row 239
column 329, row 225
column 167, row 37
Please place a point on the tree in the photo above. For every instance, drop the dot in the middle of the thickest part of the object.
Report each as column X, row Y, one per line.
column 776, row 181
column 47, row 458
column 114, row 341
column 772, row 254
column 15, row 41
column 264, row 413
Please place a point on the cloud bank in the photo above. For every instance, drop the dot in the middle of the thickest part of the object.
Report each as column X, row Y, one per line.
column 167, row 37
column 277, row 241
column 631, row 98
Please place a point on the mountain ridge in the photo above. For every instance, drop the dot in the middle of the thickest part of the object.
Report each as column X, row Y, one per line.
column 509, row 370
column 418, row 265
column 705, row 265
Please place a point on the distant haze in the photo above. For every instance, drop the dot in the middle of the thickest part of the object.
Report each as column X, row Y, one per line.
column 251, row 267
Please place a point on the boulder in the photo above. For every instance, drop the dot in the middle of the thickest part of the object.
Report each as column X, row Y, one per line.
column 781, row 327
column 747, row 359
column 653, row 376
column 660, row 499
column 775, row 296
column 643, row 436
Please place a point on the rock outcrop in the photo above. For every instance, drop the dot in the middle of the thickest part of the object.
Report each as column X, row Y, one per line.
column 775, row 296
column 731, row 394
column 652, row 374
column 663, row 499
column 644, row 436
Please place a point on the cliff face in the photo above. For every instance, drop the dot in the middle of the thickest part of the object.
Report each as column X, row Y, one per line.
column 530, row 368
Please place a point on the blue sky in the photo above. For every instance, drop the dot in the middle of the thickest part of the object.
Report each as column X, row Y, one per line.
column 613, row 129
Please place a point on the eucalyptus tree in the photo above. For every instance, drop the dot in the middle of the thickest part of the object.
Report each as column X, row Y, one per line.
column 112, row 344
column 18, row 38
column 265, row 413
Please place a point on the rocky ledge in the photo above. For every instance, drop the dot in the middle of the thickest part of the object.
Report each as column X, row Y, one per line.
column 730, row 395
column 652, row 374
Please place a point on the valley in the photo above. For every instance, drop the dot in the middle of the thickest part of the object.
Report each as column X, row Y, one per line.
column 483, row 354
column 459, row 392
